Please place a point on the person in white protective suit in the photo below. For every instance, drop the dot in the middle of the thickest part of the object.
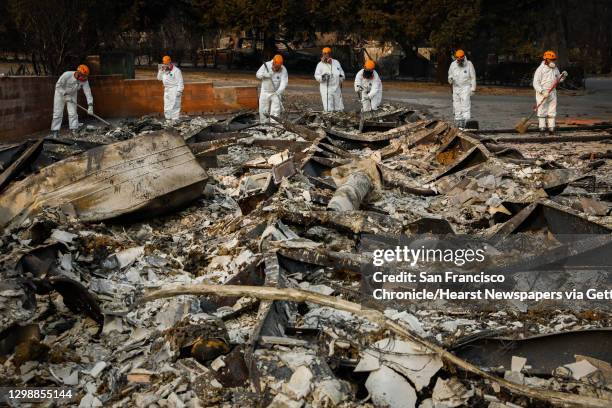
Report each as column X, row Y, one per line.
column 330, row 76
column 544, row 78
column 274, row 79
column 66, row 89
column 368, row 87
column 172, row 78
column 462, row 77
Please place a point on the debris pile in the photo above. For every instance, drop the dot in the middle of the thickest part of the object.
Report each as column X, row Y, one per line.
column 220, row 263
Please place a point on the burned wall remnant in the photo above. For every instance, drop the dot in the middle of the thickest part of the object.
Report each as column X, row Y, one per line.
column 26, row 103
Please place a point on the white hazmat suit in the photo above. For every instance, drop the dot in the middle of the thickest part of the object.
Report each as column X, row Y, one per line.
column 66, row 89
column 273, row 85
column 370, row 89
column 543, row 80
column 463, row 80
column 173, row 91
column 330, row 85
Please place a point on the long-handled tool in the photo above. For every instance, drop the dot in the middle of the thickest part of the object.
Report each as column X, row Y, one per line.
column 327, row 94
column 361, row 112
column 523, row 124
column 94, row 115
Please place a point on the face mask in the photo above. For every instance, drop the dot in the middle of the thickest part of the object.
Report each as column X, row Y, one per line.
column 326, row 59
column 368, row 74
column 551, row 64
column 461, row 61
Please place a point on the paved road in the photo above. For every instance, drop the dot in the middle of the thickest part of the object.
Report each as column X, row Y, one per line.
column 503, row 111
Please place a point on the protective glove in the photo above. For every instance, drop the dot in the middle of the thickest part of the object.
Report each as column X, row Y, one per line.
column 472, row 92
column 90, row 110
column 450, row 81
column 325, row 77
column 545, row 93
column 179, row 94
column 564, row 75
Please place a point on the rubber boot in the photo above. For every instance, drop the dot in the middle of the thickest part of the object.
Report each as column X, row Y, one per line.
column 542, row 125
column 551, row 125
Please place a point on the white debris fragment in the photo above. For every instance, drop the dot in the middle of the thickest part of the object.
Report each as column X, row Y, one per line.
column 514, row 376
column 97, row 369
column 127, row 256
column 517, row 364
column 219, row 262
column 389, row 389
column 405, row 357
column 63, row 236
column 174, row 401
column 278, row 158
column 283, row 401
column 322, row 289
column 299, row 384
column 580, row 369
column 90, row 401
column 66, row 262
column 294, row 359
column 451, row 326
column 451, row 393
column 328, row 393
column 243, row 258
column 411, row 320
column 217, row 363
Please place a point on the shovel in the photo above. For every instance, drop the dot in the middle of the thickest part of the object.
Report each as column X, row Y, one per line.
column 523, row 124
column 95, row 116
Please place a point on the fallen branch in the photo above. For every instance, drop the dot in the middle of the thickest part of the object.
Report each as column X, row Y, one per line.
column 289, row 294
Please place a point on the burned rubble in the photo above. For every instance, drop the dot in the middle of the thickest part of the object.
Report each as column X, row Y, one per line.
column 219, row 262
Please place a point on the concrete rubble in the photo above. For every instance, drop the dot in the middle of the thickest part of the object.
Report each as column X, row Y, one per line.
column 93, row 223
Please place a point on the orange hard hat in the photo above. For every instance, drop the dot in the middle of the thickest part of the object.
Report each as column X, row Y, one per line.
column 83, row 69
column 369, row 64
column 277, row 60
column 459, row 54
column 550, row 55
column 326, row 50
column 166, row 59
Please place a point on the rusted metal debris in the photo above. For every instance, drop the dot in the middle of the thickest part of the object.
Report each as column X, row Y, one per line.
column 148, row 175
